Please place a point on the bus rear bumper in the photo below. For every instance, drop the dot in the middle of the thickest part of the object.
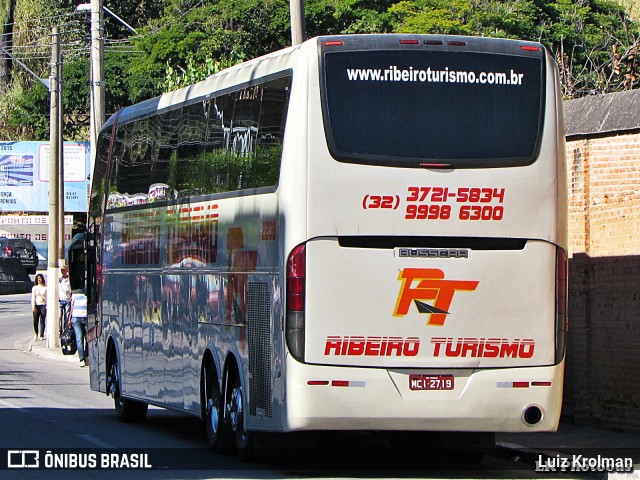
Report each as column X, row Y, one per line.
column 492, row 400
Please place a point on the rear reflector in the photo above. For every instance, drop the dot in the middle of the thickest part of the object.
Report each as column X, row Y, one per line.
column 338, row 383
column 522, row 384
column 562, row 321
column 541, row 384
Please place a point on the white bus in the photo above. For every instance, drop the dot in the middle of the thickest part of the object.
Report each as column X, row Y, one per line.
column 361, row 232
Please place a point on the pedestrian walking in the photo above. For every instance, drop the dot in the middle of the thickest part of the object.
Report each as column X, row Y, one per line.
column 39, row 306
column 64, row 291
column 79, row 323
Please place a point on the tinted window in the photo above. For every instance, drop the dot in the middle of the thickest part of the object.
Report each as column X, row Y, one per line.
column 99, row 179
column 224, row 143
column 187, row 168
column 132, row 170
column 21, row 243
column 244, row 137
column 404, row 108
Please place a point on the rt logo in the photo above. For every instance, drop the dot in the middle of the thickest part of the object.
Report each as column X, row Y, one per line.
column 425, row 284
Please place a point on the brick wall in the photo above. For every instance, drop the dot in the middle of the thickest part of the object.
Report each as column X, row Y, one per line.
column 602, row 384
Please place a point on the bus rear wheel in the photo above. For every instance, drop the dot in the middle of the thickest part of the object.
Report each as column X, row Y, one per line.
column 235, row 414
column 217, row 430
column 127, row 411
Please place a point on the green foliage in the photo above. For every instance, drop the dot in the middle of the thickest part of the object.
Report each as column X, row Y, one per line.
column 8, row 101
column 32, row 110
column 118, row 80
column 514, row 19
column 632, row 7
column 432, row 16
column 179, row 42
column 199, row 39
column 222, row 171
column 324, row 17
column 193, row 73
column 5, row 14
column 595, row 45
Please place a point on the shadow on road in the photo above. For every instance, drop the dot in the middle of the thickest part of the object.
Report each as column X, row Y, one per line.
column 175, row 446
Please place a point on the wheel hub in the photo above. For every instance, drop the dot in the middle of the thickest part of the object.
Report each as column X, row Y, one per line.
column 235, row 409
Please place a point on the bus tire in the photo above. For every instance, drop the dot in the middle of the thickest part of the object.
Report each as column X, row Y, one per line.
column 218, row 434
column 127, row 411
column 235, row 414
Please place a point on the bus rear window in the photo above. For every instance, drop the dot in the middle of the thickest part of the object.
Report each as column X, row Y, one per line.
column 411, row 108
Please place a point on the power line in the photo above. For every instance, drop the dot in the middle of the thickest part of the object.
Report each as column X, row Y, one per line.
column 38, row 20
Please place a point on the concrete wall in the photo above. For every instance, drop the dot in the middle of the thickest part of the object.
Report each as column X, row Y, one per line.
column 602, row 385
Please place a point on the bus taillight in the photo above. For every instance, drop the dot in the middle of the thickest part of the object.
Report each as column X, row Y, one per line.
column 296, row 279
column 562, row 324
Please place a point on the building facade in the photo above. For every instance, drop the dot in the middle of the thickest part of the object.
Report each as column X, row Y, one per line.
column 602, row 386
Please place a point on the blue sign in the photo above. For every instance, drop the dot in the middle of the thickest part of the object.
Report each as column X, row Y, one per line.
column 24, row 176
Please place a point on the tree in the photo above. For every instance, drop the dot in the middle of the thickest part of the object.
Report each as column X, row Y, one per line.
column 6, row 29
column 595, row 45
column 192, row 38
column 594, row 42
column 181, row 47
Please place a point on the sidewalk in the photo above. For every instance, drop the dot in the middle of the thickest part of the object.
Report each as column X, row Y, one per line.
column 573, row 442
column 569, row 439
column 575, row 437
column 39, row 349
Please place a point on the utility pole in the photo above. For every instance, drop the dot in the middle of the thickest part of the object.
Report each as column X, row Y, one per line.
column 298, row 28
column 54, row 186
column 97, row 78
column 96, row 105
column 60, row 252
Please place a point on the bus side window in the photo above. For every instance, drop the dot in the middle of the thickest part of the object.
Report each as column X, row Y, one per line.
column 188, row 174
column 244, row 137
column 273, row 115
column 217, row 156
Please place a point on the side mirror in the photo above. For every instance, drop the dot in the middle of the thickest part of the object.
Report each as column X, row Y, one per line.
column 77, row 263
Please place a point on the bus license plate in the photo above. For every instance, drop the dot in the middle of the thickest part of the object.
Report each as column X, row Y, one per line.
column 431, row 382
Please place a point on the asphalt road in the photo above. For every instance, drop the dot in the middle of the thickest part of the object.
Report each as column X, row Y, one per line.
column 47, row 406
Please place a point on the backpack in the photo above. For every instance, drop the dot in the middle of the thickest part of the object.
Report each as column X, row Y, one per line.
column 68, row 341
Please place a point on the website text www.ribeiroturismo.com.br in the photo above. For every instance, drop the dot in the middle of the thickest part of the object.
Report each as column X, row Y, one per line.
column 411, row 74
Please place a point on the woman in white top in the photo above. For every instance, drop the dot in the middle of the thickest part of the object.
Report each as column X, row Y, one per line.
column 39, row 306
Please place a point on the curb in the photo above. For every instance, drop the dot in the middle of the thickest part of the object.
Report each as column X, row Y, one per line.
column 38, row 349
